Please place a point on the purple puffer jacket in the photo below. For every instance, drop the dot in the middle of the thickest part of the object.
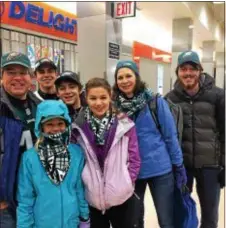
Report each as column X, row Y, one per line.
column 115, row 184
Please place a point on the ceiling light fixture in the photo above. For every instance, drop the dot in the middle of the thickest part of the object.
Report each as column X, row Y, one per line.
column 218, row 2
column 191, row 26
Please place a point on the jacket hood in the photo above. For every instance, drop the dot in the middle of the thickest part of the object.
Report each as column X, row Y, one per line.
column 206, row 81
column 50, row 108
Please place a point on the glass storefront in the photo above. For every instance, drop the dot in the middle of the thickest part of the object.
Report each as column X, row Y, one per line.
column 62, row 53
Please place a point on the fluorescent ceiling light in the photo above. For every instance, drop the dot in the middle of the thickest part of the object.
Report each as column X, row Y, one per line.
column 191, row 26
column 218, row 2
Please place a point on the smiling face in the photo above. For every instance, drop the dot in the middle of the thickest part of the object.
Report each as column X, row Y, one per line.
column 98, row 100
column 126, row 81
column 189, row 76
column 46, row 76
column 16, row 80
column 54, row 126
column 69, row 93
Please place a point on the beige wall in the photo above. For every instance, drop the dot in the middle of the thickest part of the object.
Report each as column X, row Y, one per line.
column 91, row 57
column 220, row 69
column 149, row 74
column 166, row 81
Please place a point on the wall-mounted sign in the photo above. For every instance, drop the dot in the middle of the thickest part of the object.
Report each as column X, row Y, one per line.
column 144, row 51
column 113, row 50
column 123, row 9
column 39, row 17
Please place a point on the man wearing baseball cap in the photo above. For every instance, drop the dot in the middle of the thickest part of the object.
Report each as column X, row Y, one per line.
column 46, row 74
column 68, row 89
column 203, row 140
column 17, row 116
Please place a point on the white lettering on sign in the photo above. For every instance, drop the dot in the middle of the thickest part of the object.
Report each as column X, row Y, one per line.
column 124, row 9
column 26, row 140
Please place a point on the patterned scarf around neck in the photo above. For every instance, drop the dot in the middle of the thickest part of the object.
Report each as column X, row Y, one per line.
column 54, row 155
column 131, row 106
column 99, row 126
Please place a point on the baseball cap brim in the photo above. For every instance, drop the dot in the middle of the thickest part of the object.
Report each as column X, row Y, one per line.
column 17, row 63
column 189, row 61
column 193, row 63
column 66, row 78
column 46, row 63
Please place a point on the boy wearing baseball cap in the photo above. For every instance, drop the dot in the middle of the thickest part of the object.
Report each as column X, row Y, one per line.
column 46, row 73
column 68, row 89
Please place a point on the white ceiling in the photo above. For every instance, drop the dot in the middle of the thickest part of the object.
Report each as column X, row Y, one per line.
column 163, row 13
column 70, row 7
column 218, row 11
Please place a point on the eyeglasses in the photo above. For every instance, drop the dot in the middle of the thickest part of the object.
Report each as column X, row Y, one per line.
column 13, row 73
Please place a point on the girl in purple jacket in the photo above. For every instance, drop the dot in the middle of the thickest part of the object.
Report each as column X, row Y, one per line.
column 112, row 159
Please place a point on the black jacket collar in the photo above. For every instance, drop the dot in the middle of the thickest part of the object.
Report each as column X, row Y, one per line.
column 5, row 101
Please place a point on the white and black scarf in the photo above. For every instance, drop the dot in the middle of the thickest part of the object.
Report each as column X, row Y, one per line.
column 131, row 106
column 99, row 126
column 54, row 155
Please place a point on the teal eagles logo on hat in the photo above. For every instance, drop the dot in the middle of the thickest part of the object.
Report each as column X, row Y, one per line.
column 188, row 56
column 13, row 55
column 15, row 58
column 127, row 64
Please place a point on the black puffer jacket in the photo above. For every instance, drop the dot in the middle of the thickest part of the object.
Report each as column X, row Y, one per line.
column 203, row 141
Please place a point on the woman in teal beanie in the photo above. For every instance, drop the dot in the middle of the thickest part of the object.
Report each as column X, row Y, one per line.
column 160, row 152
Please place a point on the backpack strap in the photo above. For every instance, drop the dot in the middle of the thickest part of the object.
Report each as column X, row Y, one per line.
column 177, row 113
column 153, row 106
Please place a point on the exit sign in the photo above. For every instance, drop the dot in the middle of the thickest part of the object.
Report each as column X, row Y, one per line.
column 123, row 9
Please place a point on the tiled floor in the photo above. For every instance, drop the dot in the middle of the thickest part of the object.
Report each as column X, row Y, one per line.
column 150, row 214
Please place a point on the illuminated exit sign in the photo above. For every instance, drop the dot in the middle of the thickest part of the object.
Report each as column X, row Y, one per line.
column 123, row 9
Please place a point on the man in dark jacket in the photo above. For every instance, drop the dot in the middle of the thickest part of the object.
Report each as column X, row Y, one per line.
column 17, row 116
column 203, row 141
